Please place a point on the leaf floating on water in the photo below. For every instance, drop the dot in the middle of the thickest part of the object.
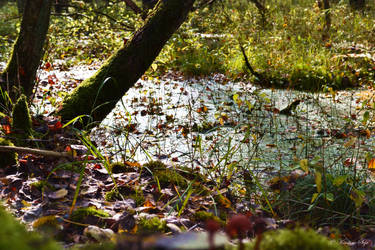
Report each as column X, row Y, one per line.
column 236, row 99
column 132, row 164
column 59, row 194
column 352, row 140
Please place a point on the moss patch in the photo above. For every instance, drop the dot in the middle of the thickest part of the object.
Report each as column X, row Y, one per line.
column 21, row 116
column 165, row 176
column 295, row 239
column 153, row 225
column 126, row 193
column 81, row 214
column 203, row 216
column 7, row 158
column 119, row 167
column 14, row 236
column 98, row 246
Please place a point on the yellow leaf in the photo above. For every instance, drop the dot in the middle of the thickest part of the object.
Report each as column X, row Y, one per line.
column 371, row 165
column 154, row 66
column 304, row 164
column 318, row 181
column 236, row 99
column 45, row 220
column 224, row 201
column 132, row 164
column 254, row 137
column 59, row 194
column 332, row 92
column 313, row 198
column 221, row 120
column 25, row 203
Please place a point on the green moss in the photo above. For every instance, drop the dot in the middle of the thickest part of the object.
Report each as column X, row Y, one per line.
column 298, row 239
column 155, row 165
column 97, row 246
column 47, row 225
column 21, row 116
column 7, row 158
column 41, row 185
column 82, row 213
column 203, row 216
column 119, row 167
column 165, row 176
column 152, row 225
column 126, row 193
column 14, row 236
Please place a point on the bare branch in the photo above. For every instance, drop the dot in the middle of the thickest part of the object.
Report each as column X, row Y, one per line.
column 36, row 151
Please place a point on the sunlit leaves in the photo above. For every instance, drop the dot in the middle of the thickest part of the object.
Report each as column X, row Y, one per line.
column 237, row 99
column 304, row 164
column 318, row 181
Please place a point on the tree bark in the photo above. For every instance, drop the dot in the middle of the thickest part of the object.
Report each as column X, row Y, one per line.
column 19, row 75
column 98, row 95
column 357, row 4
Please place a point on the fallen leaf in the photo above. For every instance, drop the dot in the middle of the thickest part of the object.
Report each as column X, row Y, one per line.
column 59, row 194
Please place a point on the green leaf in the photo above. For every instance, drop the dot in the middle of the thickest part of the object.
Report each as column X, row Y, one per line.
column 249, row 105
column 330, row 197
column 313, row 198
column 236, row 97
column 339, row 180
column 358, row 197
column 366, row 116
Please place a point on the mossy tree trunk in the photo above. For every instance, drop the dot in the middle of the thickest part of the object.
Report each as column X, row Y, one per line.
column 19, row 74
column 98, row 95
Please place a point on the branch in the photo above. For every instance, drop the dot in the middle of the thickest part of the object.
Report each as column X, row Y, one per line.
column 256, row 74
column 204, row 4
column 127, row 27
column 135, row 8
column 36, row 151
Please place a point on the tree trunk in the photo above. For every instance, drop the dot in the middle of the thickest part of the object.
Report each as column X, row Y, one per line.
column 98, row 95
column 327, row 15
column 357, row 4
column 21, row 6
column 19, row 75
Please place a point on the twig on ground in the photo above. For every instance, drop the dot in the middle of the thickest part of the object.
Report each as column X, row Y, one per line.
column 36, row 151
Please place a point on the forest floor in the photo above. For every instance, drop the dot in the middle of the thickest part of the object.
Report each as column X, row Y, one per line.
column 187, row 146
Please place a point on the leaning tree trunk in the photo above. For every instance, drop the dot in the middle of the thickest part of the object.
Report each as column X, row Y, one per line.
column 98, row 95
column 19, row 75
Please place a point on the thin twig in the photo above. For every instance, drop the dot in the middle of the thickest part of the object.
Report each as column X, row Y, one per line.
column 36, row 151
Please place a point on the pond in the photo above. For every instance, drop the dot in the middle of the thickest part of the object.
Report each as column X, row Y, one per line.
column 216, row 124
